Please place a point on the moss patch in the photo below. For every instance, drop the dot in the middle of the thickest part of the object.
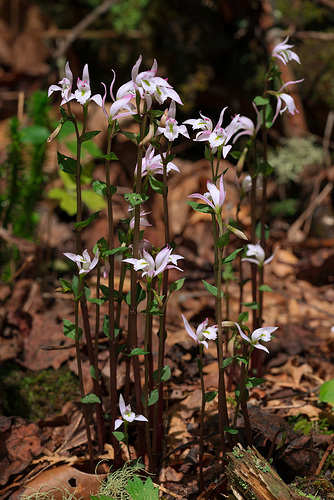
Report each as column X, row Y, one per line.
column 35, row 395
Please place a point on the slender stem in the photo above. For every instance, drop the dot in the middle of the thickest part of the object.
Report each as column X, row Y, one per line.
column 155, row 448
column 146, row 386
column 201, row 436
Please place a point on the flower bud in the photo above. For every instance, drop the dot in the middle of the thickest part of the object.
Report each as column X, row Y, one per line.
column 55, row 132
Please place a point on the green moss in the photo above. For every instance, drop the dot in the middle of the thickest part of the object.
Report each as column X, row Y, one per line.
column 36, row 395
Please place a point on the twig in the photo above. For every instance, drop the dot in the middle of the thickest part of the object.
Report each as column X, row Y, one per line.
column 81, row 26
column 324, row 458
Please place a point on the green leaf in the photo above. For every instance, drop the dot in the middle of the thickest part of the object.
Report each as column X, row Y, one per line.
column 232, row 256
column 67, row 164
column 227, row 361
column 176, row 285
column 99, row 187
column 243, row 317
column 67, row 200
column 265, row 288
column 110, row 156
column 90, row 135
column 254, row 381
column 153, row 397
column 119, row 435
column 67, row 287
column 105, row 326
column 140, row 294
column 90, row 398
column 207, row 154
column 223, row 240
column 230, row 430
column 136, row 351
column 251, row 305
column 156, row 185
column 200, row 207
column 69, row 330
column 261, row 101
column 142, row 491
column 99, row 302
column 130, row 135
column 136, row 198
column 166, row 373
column 92, row 371
column 210, row 396
column 84, row 223
column 113, row 251
column 326, row 393
column 35, row 135
column 212, row 289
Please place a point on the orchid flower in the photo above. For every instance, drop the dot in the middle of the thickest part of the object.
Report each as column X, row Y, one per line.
column 127, row 414
column 263, row 333
column 84, row 262
column 155, row 267
column 282, row 51
column 247, row 126
column 246, row 184
column 120, row 107
column 286, row 98
column 148, row 85
column 170, row 129
column 215, row 197
column 152, row 164
column 256, row 255
column 83, row 92
column 203, row 332
column 64, row 86
column 142, row 220
column 217, row 137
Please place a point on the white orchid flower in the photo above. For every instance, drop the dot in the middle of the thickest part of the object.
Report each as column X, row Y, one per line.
column 203, row 332
column 256, row 255
column 263, row 334
column 84, row 262
column 127, row 414
column 283, row 52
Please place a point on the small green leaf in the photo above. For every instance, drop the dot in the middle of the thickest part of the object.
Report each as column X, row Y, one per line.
column 110, row 156
column 92, row 371
column 200, row 207
column 136, row 351
column 212, row 289
column 90, row 135
column 251, row 305
column 90, row 398
column 210, row 396
column 119, row 435
column 156, row 185
column 227, row 361
column 67, row 164
column 223, row 240
column 261, row 101
column 232, row 256
column 254, row 381
column 84, row 223
column 176, row 285
column 265, row 288
column 140, row 294
column 67, row 287
column 142, row 491
column 326, row 393
column 99, row 187
column 136, row 198
column 153, row 397
column 99, row 302
column 113, row 251
column 165, row 373
column 69, row 330
column 130, row 135
column 243, row 317
column 230, row 430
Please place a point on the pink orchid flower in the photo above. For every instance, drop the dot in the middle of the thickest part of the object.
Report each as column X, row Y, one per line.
column 152, row 164
column 120, row 107
column 203, row 332
column 286, row 98
column 282, row 51
column 256, row 255
column 148, row 85
column 64, row 86
column 127, row 414
column 84, row 262
column 83, row 92
column 263, row 334
column 154, row 267
column 171, row 129
column 215, row 197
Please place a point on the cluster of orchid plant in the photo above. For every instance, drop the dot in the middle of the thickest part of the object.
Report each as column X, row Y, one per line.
column 157, row 132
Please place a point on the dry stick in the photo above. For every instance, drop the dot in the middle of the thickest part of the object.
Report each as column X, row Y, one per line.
column 81, row 26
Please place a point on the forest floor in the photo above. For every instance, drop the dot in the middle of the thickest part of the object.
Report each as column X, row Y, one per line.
column 41, row 424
